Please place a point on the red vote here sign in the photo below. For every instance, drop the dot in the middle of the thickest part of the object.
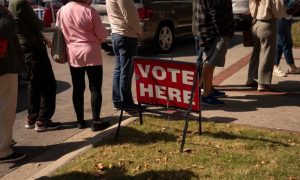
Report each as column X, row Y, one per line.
column 167, row 83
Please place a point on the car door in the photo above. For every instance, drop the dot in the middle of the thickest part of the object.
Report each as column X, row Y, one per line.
column 183, row 15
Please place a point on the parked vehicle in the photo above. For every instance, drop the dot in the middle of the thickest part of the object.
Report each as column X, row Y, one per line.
column 241, row 13
column 47, row 10
column 162, row 21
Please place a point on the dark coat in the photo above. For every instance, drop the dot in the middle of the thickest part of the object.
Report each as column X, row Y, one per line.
column 13, row 60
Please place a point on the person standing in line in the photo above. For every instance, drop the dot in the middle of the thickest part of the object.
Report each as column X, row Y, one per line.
column 42, row 84
column 124, row 21
column 265, row 14
column 212, row 28
column 83, row 31
column 284, row 46
column 11, row 63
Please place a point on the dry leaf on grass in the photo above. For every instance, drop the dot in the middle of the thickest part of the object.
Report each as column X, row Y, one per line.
column 137, row 169
column 187, row 150
column 100, row 166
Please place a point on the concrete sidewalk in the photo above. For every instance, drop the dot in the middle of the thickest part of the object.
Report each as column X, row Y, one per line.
column 246, row 106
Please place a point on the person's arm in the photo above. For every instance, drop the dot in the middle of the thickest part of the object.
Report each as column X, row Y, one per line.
column 278, row 8
column 218, row 9
column 130, row 15
column 99, row 28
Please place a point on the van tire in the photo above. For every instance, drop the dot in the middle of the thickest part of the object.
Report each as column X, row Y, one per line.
column 164, row 38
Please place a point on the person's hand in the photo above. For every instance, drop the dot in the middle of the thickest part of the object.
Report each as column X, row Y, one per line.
column 48, row 43
column 140, row 34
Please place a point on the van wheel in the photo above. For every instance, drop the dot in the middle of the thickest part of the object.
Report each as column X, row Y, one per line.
column 164, row 38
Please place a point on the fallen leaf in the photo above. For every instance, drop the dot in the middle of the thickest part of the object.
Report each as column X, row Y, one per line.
column 100, row 166
column 38, row 164
column 187, row 150
column 137, row 169
column 163, row 129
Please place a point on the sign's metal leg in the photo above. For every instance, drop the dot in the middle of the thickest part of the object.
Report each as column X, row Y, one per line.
column 195, row 84
column 140, row 114
column 119, row 124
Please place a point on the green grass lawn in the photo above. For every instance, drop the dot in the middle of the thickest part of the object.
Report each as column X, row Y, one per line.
column 224, row 151
column 296, row 33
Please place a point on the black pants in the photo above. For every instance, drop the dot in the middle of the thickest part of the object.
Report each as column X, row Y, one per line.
column 94, row 74
column 42, row 84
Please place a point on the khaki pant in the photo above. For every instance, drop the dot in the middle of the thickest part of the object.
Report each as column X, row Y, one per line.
column 8, row 104
column 264, row 51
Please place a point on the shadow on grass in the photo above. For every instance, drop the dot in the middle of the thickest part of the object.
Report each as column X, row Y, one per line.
column 135, row 136
column 230, row 136
column 119, row 173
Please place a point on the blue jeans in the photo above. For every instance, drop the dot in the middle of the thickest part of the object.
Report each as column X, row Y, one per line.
column 284, row 41
column 124, row 49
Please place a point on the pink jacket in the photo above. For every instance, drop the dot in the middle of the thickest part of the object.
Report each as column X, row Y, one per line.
column 84, row 32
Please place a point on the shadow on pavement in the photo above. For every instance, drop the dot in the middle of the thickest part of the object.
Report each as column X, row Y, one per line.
column 23, row 90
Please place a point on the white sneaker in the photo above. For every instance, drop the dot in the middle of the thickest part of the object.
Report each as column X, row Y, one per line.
column 278, row 72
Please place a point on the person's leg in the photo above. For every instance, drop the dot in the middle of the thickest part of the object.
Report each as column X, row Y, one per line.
column 267, row 53
column 8, row 104
column 95, row 74
column 215, row 56
column 116, row 94
column 43, row 77
column 127, row 50
column 280, row 42
column 288, row 46
column 34, row 92
column 287, row 41
column 254, row 60
column 207, row 74
column 48, row 87
column 78, row 81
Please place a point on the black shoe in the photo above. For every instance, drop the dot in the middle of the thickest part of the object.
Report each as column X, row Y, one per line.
column 252, row 84
column 41, row 126
column 98, row 126
column 218, row 94
column 81, row 124
column 15, row 156
column 134, row 108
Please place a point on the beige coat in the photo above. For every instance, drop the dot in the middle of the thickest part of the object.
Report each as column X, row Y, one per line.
column 268, row 9
column 123, row 17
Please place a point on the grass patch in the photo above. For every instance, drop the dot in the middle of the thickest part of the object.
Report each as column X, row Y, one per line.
column 296, row 33
column 224, row 151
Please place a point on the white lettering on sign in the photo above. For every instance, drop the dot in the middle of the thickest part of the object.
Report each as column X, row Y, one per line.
column 162, row 92
column 187, row 77
column 187, row 97
column 144, row 90
column 174, row 94
column 174, row 73
column 145, row 72
column 160, row 73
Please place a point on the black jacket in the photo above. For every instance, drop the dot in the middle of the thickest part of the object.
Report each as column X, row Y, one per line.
column 13, row 60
